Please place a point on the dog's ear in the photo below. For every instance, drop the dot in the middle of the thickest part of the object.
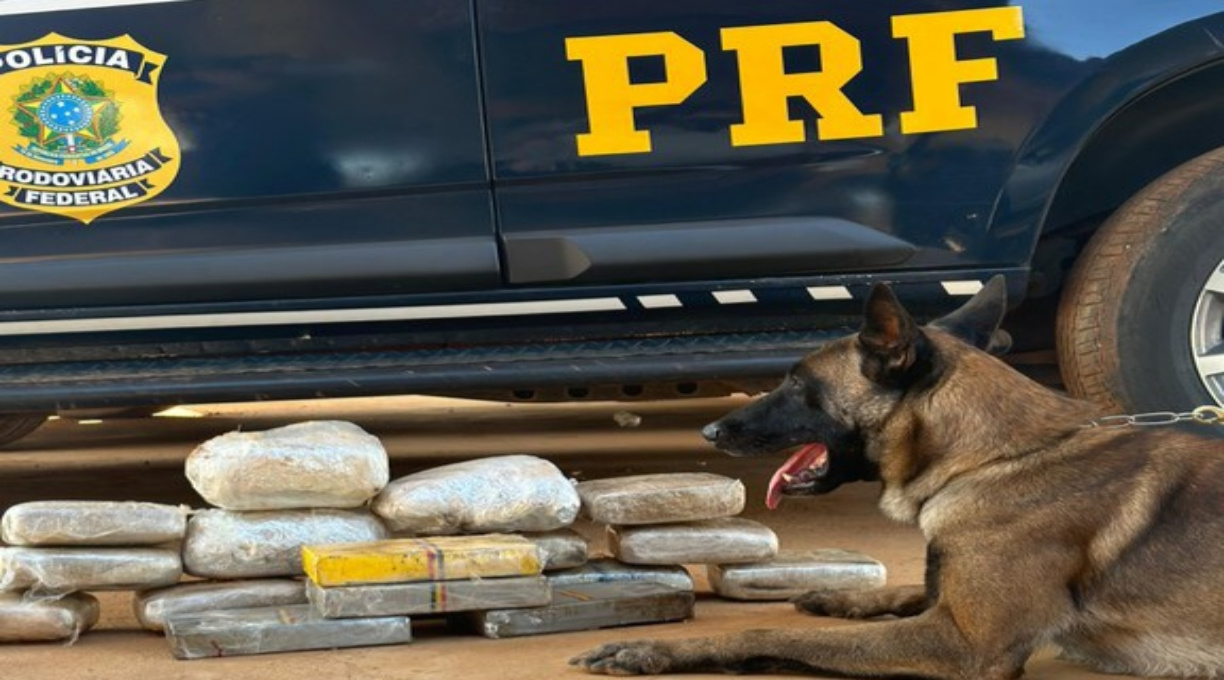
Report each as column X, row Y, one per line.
column 977, row 321
column 893, row 343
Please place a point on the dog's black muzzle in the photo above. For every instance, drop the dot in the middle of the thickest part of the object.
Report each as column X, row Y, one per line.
column 782, row 420
column 777, row 421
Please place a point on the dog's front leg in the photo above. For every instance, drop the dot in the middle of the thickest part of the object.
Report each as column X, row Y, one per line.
column 927, row 646
column 898, row 601
column 992, row 610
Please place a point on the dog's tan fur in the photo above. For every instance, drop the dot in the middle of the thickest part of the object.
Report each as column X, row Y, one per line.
column 1106, row 542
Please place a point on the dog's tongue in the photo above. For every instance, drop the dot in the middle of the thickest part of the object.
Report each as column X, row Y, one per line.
column 803, row 459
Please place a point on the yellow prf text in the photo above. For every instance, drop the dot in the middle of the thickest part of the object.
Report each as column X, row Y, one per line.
column 936, row 77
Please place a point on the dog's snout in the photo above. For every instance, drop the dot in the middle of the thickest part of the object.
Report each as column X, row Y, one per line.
column 711, row 432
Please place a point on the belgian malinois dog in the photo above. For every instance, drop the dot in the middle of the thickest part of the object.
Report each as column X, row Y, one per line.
column 1041, row 527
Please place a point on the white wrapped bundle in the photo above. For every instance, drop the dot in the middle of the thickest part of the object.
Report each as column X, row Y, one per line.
column 82, row 523
column 718, row 541
column 504, row 494
column 428, row 597
column 561, row 549
column 319, row 464
column 228, row 545
column 589, row 606
column 23, row 620
column 153, row 607
column 793, row 573
column 267, row 630
column 64, row 570
column 610, row 571
column 661, row 499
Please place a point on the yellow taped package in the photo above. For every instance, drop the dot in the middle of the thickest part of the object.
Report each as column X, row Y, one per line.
column 403, row 560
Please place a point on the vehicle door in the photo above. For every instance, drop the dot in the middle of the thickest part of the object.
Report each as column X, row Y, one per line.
column 649, row 140
column 217, row 151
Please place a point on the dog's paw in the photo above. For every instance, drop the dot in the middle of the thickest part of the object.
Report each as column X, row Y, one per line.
column 838, row 604
column 625, row 658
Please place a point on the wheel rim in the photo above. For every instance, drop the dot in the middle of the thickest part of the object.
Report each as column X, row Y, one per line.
column 1207, row 334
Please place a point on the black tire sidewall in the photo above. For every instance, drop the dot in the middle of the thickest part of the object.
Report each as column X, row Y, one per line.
column 1156, row 359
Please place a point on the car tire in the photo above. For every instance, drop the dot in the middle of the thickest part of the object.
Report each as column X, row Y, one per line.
column 14, row 426
column 1132, row 325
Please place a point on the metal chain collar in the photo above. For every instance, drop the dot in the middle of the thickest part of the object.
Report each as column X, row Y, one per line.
column 1203, row 415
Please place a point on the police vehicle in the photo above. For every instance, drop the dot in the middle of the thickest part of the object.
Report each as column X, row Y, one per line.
column 234, row 200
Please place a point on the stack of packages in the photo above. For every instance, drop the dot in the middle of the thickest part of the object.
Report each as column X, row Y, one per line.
column 458, row 555
column 487, row 537
column 677, row 519
column 275, row 492
column 57, row 550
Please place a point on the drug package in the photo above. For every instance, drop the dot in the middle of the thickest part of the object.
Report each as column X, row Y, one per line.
column 590, row 606
column 661, row 498
column 316, row 464
column 731, row 540
column 91, row 523
column 793, row 573
column 429, row 597
column 153, row 607
column 233, row 545
column 54, row 571
column 66, row 618
column 605, row 570
column 439, row 558
column 487, row 495
column 266, row 630
column 560, row 549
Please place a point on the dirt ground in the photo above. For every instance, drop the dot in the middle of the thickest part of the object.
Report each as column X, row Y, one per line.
column 142, row 460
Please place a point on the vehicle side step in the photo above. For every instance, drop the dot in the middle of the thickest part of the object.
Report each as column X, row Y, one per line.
column 72, row 385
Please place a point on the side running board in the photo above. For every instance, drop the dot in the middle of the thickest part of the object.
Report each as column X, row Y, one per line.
column 72, row 385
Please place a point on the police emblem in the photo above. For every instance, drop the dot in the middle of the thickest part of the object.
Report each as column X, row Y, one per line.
column 80, row 131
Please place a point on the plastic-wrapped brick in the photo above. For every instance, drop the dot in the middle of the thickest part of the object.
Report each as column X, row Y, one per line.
column 662, row 498
column 53, row 571
column 317, row 464
column 611, row 571
column 63, row 619
column 153, row 607
column 429, row 597
column 90, row 523
column 266, row 630
column 793, row 573
column 720, row 541
column 440, row 558
column 232, row 545
column 490, row 495
column 561, row 549
column 590, row 606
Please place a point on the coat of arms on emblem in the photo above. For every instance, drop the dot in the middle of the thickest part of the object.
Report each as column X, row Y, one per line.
column 80, row 131
column 66, row 116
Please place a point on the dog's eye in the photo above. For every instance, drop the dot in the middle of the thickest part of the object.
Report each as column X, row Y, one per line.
column 806, row 388
column 794, row 383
